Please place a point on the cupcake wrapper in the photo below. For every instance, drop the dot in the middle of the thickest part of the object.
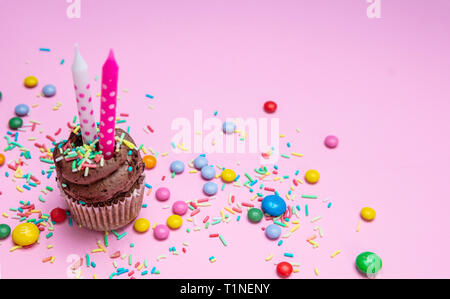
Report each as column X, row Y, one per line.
column 109, row 217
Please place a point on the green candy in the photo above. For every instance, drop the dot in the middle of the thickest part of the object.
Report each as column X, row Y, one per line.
column 368, row 263
column 255, row 215
column 5, row 230
column 15, row 123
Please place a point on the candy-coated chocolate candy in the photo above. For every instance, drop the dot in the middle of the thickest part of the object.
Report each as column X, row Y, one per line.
column 284, row 269
column 15, row 123
column 49, row 90
column 149, row 161
column 368, row 214
column 177, row 167
column 141, row 225
column 58, row 215
column 30, row 81
column 273, row 205
column 331, row 141
column 255, row 215
column 270, row 106
column 161, row 232
column 208, row 172
column 228, row 175
column 162, row 194
column 273, row 231
column 2, row 159
column 368, row 263
column 312, row 176
column 25, row 234
column 200, row 162
column 210, row 188
column 22, row 110
column 228, row 127
column 179, row 208
column 174, row 221
column 5, row 230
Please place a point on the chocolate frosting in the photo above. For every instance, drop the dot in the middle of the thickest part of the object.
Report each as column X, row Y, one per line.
column 112, row 181
column 64, row 168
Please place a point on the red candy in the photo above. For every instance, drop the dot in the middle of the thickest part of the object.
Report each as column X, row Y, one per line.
column 58, row 215
column 284, row 269
column 270, row 106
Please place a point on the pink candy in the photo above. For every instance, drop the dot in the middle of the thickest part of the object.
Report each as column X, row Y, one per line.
column 162, row 194
column 161, row 232
column 331, row 141
column 179, row 208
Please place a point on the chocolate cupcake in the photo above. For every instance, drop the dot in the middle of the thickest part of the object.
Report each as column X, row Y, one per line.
column 101, row 194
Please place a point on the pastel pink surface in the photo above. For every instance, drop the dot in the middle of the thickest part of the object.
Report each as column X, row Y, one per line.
column 380, row 85
column 110, row 77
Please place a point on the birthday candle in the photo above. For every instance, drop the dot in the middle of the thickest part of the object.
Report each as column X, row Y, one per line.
column 110, row 74
column 83, row 96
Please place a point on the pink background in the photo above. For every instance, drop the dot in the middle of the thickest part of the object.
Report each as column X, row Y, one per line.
column 380, row 85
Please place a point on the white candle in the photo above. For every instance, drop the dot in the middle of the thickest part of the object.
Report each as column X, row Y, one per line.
column 83, row 96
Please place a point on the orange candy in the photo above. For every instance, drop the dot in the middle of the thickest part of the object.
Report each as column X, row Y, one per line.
column 2, row 159
column 149, row 161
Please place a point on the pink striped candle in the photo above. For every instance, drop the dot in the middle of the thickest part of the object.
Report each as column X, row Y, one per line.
column 84, row 100
column 110, row 75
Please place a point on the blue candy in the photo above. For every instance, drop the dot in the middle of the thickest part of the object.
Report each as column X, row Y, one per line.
column 228, row 127
column 177, row 167
column 22, row 110
column 208, row 173
column 273, row 231
column 273, row 205
column 210, row 188
column 200, row 162
column 49, row 90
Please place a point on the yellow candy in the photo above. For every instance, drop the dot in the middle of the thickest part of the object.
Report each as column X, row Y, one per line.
column 228, row 175
column 312, row 176
column 141, row 225
column 30, row 81
column 368, row 214
column 174, row 221
column 25, row 234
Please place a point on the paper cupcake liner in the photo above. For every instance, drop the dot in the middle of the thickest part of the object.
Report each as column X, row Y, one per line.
column 106, row 218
